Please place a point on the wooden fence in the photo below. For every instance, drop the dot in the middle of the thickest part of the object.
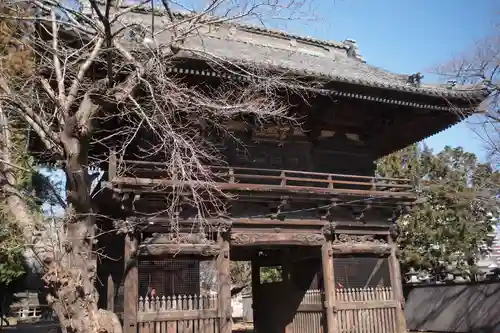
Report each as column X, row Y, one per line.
column 358, row 310
column 178, row 314
column 309, row 316
column 366, row 310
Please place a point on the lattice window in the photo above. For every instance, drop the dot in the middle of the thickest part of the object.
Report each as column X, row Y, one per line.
column 361, row 272
column 169, row 277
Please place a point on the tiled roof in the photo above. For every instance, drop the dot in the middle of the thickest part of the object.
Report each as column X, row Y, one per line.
column 295, row 54
column 312, row 57
column 326, row 62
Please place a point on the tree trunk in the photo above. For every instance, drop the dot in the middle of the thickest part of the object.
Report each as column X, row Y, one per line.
column 70, row 268
column 71, row 280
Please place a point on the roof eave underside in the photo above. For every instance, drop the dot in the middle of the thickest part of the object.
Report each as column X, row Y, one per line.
column 472, row 94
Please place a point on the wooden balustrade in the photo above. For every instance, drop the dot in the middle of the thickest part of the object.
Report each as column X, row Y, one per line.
column 31, row 312
column 177, row 302
column 144, row 173
column 178, row 314
column 364, row 294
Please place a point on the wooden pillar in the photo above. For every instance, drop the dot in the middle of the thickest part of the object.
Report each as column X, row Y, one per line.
column 286, row 270
column 224, row 278
column 131, row 285
column 329, row 287
column 397, row 286
column 255, row 291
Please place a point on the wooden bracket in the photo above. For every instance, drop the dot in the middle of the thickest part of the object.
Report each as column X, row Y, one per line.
column 329, row 229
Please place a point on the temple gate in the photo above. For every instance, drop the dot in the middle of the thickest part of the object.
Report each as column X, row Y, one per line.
column 304, row 197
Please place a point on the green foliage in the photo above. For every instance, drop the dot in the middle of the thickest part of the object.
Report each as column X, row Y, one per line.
column 11, row 254
column 271, row 274
column 459, row 206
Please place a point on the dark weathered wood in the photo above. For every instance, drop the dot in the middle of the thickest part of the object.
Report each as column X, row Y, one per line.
column 131, row 285
column 254, row 239
column 395, row 274
column 348, row 248
column 224, row 280
column 176, row 315
column 174, row 249
column 329, row 288
column 255, row 266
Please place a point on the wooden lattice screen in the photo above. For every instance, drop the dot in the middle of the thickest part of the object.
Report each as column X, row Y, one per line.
column 169, row 277
column 361, row 272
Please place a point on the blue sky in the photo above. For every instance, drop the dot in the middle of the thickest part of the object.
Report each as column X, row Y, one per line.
column 407, row 36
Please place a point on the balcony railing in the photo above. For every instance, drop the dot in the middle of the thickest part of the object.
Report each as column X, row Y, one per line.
column 242, row 179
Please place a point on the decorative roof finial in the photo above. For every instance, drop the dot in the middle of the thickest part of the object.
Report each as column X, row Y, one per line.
column 352, row 48
column 415, row 79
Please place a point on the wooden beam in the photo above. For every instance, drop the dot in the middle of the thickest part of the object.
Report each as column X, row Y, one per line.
column 328, row 285
column 224, row 278
column 256, row 239
column 347, row 248
column 131, row 285
column 174, row 249
column 144, row 317
column 367, row 305
column 160, row 224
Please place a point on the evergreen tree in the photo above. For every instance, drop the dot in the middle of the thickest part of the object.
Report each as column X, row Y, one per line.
column 456, row 210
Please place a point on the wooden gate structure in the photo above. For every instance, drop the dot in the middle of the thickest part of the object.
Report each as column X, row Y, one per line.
column 302, row 197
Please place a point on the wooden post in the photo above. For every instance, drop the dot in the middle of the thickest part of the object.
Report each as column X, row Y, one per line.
column 131, row 285
column 255, row 291
column 110, row 291
column 112, row 164
column 397, row 286
column 329, row 287
column 223, row 262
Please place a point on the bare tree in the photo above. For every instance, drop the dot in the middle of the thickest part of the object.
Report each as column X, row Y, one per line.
column 101, row 63
column 481, row 65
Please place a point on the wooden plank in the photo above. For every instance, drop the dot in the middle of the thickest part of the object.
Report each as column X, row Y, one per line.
column 174, row 249
column 143, row 317
column 329, row 287
column 259, row 239
column 131, row 285
column 355, row 305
